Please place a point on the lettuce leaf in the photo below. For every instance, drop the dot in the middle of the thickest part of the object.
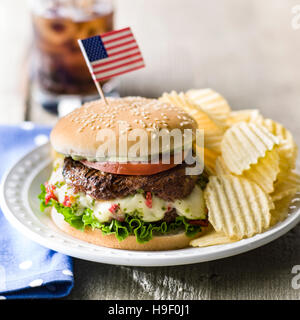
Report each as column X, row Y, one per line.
column 70, row 215
column 132, row 224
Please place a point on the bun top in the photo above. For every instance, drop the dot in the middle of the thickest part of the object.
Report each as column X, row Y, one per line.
column 81, row 133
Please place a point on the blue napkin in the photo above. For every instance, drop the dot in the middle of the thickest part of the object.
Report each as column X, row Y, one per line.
column 28, row 270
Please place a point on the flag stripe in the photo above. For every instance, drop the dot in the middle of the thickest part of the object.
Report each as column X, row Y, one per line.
column 114, row 52
column 111, row 61
column 126, row 36
column 121, row 44
column 127, row 49
column 131, row 61
column 117, row 64
column 116, row 36
column 119, row 73
column 108, row 34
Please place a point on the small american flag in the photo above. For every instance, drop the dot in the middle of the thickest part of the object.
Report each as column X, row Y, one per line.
column 112, row 54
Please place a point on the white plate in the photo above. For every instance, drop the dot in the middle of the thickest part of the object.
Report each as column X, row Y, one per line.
column 19, row 191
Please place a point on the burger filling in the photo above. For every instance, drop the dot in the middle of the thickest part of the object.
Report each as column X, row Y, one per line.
column 124, row 204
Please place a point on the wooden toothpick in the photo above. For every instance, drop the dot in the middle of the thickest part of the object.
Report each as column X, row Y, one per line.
column 100, row 91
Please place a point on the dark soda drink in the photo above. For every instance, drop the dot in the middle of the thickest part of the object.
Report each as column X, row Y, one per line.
column 59, row 65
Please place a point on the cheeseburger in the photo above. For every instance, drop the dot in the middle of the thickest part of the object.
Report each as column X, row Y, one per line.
column 103, row 195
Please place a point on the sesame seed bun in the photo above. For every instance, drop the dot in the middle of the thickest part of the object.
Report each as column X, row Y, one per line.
column 79, row 133
column 166, row 242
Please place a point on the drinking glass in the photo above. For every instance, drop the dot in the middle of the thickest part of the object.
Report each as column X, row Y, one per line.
column 58, row 64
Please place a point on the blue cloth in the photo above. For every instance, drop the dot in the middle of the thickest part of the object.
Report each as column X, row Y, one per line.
column 28, row 270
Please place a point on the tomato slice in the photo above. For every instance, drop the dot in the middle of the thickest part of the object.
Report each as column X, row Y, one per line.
column 134, row 169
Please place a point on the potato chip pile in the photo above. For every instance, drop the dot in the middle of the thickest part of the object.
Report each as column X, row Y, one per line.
column 251, row 161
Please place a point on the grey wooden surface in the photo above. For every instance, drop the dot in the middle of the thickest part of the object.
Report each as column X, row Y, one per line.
column 246, row 50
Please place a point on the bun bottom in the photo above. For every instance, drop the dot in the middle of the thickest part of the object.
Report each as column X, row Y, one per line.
column 158, row 243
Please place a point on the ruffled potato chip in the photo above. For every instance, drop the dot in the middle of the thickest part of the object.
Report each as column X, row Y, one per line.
column 244, row 144
column 237, row 207
column 287, row 147
column 286, row 187
column 213, row 133
column 263, row 173
column 281, row 210
column 221, row 168
column 248, row 115
column 210, row 157
column 212, row 103
column 212, row 238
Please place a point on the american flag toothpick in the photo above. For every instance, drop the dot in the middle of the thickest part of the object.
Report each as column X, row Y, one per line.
column 111, row 54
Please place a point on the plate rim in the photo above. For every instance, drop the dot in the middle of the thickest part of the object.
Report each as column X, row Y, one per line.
column 130, row 257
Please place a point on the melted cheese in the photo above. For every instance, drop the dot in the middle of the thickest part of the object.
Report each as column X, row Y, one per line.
column 192, row 207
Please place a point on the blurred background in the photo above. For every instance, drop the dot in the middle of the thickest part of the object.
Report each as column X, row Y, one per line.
column 246, row 50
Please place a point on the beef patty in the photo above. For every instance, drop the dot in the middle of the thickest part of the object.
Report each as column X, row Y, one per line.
column 168, row 185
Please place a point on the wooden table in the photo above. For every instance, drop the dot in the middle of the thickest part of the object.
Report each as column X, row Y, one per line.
column 246, row 50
